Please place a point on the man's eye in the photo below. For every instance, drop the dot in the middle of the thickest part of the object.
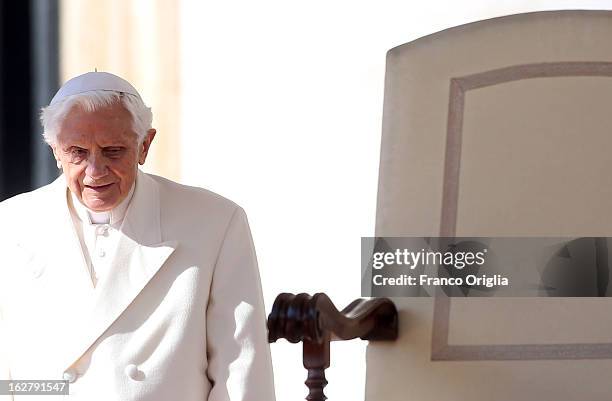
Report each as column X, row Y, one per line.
column 78, row 152
column 113, row 152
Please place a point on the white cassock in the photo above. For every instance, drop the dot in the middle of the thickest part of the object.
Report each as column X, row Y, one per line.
column 176, row 314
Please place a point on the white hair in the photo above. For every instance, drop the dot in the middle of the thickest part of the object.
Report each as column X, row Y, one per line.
column 52, row 116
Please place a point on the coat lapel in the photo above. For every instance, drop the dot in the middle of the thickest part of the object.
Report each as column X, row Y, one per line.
column 62, row 250
column 59, row 271
column 140, row 255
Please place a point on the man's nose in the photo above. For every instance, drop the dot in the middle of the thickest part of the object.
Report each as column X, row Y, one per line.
column 96, row 167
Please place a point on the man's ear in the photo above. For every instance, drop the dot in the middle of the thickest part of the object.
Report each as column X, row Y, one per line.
column 144, row 147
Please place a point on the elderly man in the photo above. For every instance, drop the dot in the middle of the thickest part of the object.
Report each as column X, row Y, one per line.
column 127, row 285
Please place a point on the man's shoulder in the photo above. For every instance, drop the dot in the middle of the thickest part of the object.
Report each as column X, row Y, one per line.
column 188, row 197
column 22, row 212
column 26, row 201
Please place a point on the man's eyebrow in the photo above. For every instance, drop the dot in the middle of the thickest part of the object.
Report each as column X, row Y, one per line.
column 68, row 147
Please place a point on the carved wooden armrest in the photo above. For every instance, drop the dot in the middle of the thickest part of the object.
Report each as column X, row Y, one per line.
column 315, row 321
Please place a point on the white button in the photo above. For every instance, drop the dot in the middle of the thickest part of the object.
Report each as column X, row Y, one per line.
column 101, row 253
column 132, row 372
column 102, row 230
column 70, row 375
column 37, row 272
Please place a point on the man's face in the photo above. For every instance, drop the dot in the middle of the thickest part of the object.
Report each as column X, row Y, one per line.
column 99, row 154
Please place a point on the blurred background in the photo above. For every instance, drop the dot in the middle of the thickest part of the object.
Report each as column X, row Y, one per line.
column 276, row 105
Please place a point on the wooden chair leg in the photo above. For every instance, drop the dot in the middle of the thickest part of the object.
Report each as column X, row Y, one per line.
column 316, row 360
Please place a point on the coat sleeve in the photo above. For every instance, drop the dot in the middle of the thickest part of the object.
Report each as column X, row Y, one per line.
column 239, row 362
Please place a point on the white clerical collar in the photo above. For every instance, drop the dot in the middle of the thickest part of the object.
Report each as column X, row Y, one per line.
column 112, row 217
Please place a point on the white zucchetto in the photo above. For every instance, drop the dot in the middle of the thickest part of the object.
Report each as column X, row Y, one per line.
column 91, row 81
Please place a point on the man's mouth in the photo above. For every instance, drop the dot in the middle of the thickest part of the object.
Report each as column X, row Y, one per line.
column 99, row 187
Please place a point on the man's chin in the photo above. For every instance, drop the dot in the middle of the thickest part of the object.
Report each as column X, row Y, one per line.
column 100, row 205
column 99, row 209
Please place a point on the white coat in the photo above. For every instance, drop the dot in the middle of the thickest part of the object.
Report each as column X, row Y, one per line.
column 179, row 317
